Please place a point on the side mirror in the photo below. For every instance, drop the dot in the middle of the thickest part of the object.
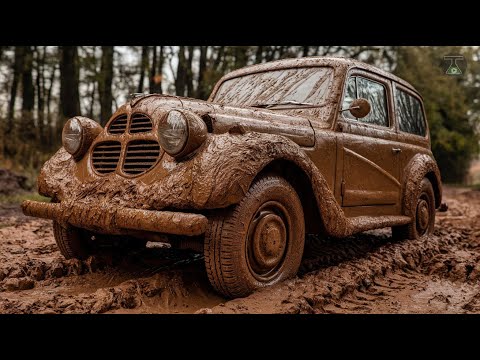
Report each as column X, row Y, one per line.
column 359, row 108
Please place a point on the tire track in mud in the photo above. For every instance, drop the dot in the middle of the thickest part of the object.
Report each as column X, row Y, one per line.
column 372, row 273
column 358, row 284
column 366, row 273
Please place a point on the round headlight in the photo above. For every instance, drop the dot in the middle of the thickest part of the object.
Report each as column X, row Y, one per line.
column 173, row 132
column 72, row 135
column 78, row 134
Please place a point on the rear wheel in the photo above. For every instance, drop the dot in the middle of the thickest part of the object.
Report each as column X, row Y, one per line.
column 258, row 242
column 423, row 218
column 72, row 242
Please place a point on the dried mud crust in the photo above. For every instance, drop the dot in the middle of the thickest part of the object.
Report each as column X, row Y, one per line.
column 367, row 273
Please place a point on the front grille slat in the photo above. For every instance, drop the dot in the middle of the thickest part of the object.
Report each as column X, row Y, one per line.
column 105, row 156
column 118, row 125
column 134, row 158
column 113, row 158
column 138, row 164
column 140, row 156
column 140, row 123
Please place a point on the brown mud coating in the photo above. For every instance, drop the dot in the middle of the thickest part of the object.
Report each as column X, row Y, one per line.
column 365, row 273
column 241, row 143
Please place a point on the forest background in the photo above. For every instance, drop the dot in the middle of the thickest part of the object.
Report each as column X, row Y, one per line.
column 42, row 86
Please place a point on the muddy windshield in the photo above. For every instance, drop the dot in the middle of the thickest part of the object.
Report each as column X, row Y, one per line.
column 292, row 87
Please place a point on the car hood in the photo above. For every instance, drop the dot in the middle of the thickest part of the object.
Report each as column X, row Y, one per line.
column 224, row 118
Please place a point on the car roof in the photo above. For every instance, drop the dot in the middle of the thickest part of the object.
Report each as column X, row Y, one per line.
column 343, row 62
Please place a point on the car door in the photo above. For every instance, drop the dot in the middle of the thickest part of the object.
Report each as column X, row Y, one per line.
column 367, row 153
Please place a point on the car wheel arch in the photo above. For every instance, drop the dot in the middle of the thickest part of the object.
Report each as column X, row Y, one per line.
column 301, row 182
column 420, row 166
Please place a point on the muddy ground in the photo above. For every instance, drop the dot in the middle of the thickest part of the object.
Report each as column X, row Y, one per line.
column 367, row 273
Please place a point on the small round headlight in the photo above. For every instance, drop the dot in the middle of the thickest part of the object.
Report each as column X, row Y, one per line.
column 173, row 132
column 72, row 135
column 78, row 134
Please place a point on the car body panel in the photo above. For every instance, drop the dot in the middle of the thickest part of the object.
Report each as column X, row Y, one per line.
column 358, row 182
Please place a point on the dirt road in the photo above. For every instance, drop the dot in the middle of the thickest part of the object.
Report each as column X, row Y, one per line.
column 367, row 273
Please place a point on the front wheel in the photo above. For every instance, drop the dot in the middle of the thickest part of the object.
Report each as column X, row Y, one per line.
column 423, row 218
column 258, row 242
column 73, row 243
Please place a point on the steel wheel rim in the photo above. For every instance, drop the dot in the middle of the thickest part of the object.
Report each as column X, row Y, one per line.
column 423, row 215
column 268, row 240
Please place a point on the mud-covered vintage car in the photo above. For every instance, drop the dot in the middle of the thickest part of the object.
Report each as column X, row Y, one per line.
column 319, row 145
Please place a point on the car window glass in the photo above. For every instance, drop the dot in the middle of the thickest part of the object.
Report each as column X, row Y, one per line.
column 309, row 85
column 376, row 95
column 409, row 114
column 350, row 95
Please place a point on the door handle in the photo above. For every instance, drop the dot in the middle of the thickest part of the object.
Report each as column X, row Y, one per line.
column 396, row 150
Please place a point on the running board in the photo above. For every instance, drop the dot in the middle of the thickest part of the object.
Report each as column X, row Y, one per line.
column 364, row 223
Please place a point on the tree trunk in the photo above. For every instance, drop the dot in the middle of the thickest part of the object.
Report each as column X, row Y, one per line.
column 50, row 136
column 143, row 67
column 69, row 80
column 306, row 50
column 40, row 85
column 159, row 78
column 17, row 73
column 92, row 86
column 152, row 71
column 218, row 58
column 181, row 72
column 258, row 55
column 270, row 55
column 105, row 84
column 190, row 71
column 156, row 71
column 241, row 56
column 91, row 115
column 51, row 80
column 27, row 129
column 201, row 87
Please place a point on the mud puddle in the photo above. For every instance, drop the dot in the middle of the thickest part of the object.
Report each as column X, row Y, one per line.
column 367, row 273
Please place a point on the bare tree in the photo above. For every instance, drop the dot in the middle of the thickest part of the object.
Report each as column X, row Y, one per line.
column 69, row 80
column 27, row 128
column 181, row 77
column 143, row 68
column 105, row 84
column 17, row 74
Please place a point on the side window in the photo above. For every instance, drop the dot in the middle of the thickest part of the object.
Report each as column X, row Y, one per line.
column 409, row 114
column 350, row 95
column 375, row 93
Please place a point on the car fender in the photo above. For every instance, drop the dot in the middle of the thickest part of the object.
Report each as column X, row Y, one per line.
column 227, row 166
column 419, row 167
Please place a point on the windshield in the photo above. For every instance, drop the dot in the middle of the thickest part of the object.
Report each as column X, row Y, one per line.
column 298, row 85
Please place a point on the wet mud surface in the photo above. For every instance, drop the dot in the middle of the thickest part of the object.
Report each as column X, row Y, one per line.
column 366, row 273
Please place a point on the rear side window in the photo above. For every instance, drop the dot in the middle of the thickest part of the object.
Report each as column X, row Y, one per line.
column 409, row 114
column 374, row 92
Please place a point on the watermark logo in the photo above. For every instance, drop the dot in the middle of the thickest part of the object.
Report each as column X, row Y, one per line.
column 454, row 65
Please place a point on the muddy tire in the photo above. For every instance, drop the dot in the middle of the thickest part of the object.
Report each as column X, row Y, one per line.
column 72, row 242
column 258, row 242
column 424, row 216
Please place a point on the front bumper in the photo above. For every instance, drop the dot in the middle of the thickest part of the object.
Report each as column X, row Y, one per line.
column 108, row 220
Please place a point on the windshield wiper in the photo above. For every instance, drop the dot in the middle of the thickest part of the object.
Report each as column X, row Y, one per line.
column 281, row 103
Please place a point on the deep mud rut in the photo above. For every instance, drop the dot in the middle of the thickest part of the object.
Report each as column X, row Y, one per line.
column 367, row 273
